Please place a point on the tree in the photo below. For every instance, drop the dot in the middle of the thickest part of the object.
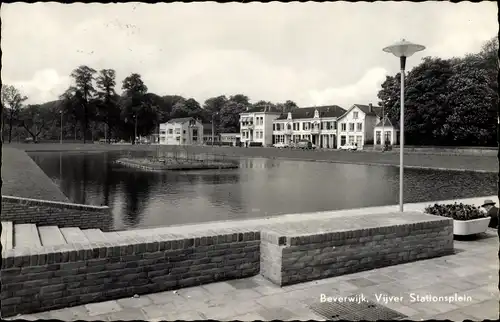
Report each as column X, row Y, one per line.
column 212, row 108
column 187, row 108
column 137, row 109
column 286, row 107
column 35, row 119
column 82, row 93
column 230, row 116
column 473, row 117
column 426, row 108
column 166, row 106
column 108, row 108
column 241, row 99
column 262, row 104
column 12, row 101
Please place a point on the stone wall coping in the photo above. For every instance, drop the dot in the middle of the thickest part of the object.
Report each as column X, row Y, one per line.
column 47, row 203
column 19, row 257
column 330, row 234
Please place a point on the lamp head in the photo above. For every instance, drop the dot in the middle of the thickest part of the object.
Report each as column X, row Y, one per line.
column 403, row 48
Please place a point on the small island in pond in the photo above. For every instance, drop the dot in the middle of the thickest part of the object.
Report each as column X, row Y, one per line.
column 175, row 164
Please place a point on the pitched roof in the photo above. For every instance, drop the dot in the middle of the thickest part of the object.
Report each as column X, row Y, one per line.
column 376, row 110
column 180, row 120
column 387, row 122
column 308, row 112
column 263, row 108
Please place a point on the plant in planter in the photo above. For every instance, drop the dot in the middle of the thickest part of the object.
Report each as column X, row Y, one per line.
column 467, row 219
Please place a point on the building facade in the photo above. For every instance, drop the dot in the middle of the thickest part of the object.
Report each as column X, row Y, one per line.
column 210, row 134
column 256, row 125
column 181, row 131
column 315, row 124
column 386, row 132
column 357, row 125
column 232, row 138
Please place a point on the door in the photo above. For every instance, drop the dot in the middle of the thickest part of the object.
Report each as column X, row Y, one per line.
column 342, row 140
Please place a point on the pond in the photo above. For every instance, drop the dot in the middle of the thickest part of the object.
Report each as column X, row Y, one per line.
column 258, row 188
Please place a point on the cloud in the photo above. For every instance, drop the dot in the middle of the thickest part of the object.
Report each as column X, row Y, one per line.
column 312, row 53
column 46, row 85
column 363, row 91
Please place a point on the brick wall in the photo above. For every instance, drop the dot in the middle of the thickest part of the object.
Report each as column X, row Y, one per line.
column 44, row 213
column 50, row 278
column 306, row 258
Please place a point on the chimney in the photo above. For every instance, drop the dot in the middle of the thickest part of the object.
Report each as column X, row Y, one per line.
column 371, row 107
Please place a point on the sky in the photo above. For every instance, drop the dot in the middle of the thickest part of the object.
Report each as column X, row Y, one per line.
column 311, row 53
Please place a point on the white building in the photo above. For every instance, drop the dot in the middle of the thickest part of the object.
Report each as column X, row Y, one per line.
column 210, row 132
column 233, row 138
column 315, row 124
column 357, row 125
column 386, row 132
column 256, row 125
column 181, row 131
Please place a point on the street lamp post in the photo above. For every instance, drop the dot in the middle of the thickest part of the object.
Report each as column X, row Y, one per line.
column 402, row 49
column 61, row 134
column 135, row 129
column 213, row 128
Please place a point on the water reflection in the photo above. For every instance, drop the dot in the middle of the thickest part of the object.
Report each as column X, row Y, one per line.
column 259, row 188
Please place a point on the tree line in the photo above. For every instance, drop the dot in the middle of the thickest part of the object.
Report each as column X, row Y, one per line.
column 91, row 109
column 448, row 101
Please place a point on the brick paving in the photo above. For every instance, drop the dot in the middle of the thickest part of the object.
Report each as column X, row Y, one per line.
column 471, row 273
column 483, row 163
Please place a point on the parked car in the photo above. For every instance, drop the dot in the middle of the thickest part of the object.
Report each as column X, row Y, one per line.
column 349, row 147
column 304, row 144
column 281, row 145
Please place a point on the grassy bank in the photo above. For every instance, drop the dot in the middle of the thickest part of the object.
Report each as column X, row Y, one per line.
column 23, row 178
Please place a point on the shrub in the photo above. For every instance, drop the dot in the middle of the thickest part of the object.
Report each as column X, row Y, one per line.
column 456, row 211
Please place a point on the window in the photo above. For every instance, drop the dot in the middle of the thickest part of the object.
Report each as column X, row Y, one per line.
column 343, row 126
column 351, row 139
column 162, row 132
column 162, row 139
column 351, row 127
column 183, row 131
column 359, row 141
column 388, row 137
column 342, row 139
column 177, row 131
column 334, row 125
column 377, row 137
column 355, row 115
column 178, row 138
column 170, row 131
column 360, row 126
column 274, row 127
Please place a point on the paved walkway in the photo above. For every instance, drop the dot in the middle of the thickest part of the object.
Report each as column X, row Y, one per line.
column 471, row 273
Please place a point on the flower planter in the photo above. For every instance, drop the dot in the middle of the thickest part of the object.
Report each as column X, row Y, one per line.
column 470, row 227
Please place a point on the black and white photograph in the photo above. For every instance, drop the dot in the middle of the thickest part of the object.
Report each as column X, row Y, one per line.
column 249, row 161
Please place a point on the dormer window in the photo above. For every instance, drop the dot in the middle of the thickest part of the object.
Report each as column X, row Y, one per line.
column 289, row 116
column 316, row 114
